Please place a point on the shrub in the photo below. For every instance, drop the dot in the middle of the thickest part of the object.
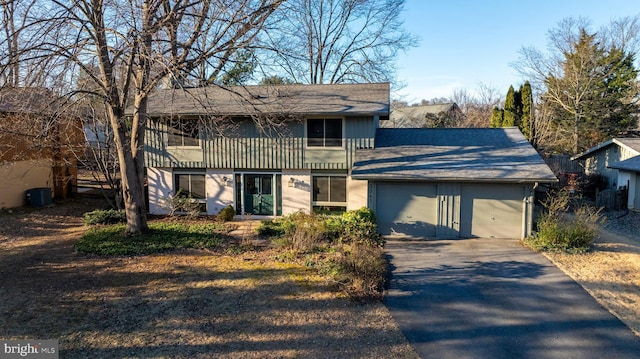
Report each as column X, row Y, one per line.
column 360, row 270
column 561, row 231
column 360, row 226
column 227, row 214
column 105, row 216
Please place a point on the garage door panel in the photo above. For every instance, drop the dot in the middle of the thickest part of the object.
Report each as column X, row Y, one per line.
column 491, row 211
column 408, row 209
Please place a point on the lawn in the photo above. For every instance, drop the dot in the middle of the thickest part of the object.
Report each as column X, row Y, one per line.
column 187, row 303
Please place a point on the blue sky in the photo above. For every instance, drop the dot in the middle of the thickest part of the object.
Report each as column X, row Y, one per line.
column 467, row 42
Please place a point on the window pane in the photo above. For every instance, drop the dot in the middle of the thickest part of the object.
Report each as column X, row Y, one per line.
column 333, row 132
column 315, row 132
column 320, row 189
column 182, row 185
column 338, row 189
column 266, row 185
column 197, row 186
column 183, row 133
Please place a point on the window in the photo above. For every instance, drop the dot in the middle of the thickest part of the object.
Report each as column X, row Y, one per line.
column 324, row 132
column 329, row 190
column 183, row 133
column 191, row 185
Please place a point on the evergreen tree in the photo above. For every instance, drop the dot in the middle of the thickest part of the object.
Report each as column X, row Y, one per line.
column 497, row 118
column 591, row 100
column 526, row 117
column 510, row 109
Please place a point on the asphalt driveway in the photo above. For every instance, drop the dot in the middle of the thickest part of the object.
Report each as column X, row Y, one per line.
column 493, row 298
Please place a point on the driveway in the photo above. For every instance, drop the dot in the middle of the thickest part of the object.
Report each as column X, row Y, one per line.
column 493, row 298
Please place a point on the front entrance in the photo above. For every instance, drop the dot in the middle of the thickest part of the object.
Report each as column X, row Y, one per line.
column 256, row 193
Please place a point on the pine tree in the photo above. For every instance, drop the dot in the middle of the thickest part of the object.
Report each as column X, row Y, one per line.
column 497, row 118
column 510, row 112
column 526, row 123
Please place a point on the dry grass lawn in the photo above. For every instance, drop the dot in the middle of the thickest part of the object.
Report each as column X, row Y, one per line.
column 187, row 304
column 610, row 273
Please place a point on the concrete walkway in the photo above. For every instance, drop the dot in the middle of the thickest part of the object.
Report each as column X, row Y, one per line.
column 493, row 298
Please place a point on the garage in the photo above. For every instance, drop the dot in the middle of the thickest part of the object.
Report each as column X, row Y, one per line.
column 407, row 210
column 452, row 183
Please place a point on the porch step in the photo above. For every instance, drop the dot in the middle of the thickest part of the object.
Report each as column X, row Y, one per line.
column 244, row 227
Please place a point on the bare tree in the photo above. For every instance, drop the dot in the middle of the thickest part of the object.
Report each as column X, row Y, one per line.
column 136, row 44
column 476, row 107
column 338, row 41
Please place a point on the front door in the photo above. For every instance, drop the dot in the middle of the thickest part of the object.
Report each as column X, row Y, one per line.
column 258, row 194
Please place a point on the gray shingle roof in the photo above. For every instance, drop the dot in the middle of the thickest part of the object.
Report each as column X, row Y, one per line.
column 630, row 143
column 279, row 99
column 453, row 154
column 631, row 164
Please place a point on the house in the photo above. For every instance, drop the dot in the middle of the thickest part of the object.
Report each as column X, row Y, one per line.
column 452, row 182
column 274, row 150
column 37, row 146
column 427, row 116
column 617, row 160
column 265, row 150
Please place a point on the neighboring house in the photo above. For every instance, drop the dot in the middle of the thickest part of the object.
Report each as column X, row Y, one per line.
column 428, row 116
column 618, row 160
column 279, row 149
column 452, row 183
column 36, row 146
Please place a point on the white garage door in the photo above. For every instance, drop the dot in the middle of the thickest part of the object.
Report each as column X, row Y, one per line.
column 491, row 211
column 408, row 209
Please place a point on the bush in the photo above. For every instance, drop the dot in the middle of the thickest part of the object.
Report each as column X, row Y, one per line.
column 561, row 231
column 105, row 216
column 360, row 226
column 360, row 270
column 227, row 214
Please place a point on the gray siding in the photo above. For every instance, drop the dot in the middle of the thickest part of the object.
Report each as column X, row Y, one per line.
column 598, row 161
column 245, row 147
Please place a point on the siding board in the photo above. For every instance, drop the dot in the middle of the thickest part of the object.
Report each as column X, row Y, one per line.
column 247, row 148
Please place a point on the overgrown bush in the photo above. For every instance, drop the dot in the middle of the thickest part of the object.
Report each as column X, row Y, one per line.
column 345, row 247
column 360, row 269
column 559, row 230
column 226, row 214
column 105, row 216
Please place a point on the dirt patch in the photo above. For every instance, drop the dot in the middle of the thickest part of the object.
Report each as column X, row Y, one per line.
column 611, row 272
column 188, row 304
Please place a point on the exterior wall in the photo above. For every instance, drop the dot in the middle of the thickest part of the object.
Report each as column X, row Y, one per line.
column 356, row 193
column 598, row 161
column 160, row 181
column 633, row 179
column 219, row 192
column 297, row 197
column 19, row 176
column 245, row 147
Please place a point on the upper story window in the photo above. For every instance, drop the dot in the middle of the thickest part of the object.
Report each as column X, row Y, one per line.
column 183, row 133
column 324, row 132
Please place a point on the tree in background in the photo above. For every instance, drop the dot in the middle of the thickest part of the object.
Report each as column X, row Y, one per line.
column 587, row 84
column 510, row 117
column 526, row 113
column 337, row 41
column 497, row 118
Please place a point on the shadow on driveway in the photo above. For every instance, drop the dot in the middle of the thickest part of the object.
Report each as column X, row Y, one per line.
column 493, row 298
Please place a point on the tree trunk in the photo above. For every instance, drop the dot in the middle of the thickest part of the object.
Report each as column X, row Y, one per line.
column 131, row 173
